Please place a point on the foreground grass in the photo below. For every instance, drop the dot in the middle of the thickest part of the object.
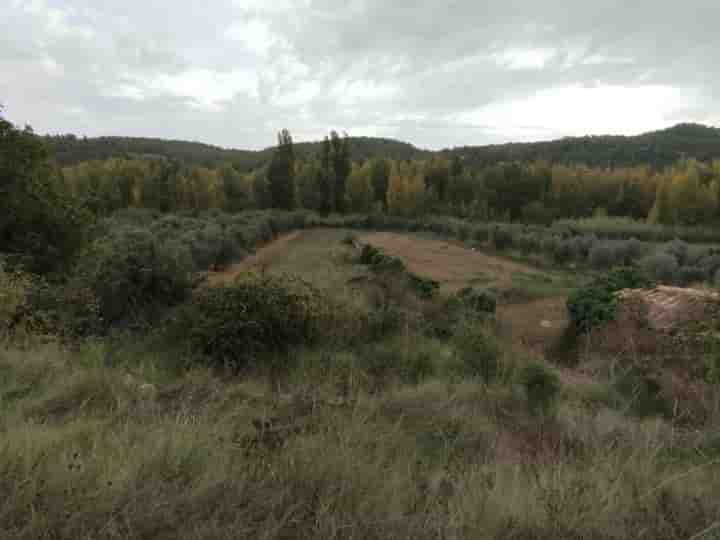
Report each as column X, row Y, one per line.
column 89, row 450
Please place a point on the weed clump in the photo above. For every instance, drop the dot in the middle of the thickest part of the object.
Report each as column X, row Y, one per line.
column 542, row 388
column 478, row 352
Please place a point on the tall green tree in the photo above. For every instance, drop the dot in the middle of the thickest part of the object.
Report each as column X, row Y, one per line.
column 342, row 166
column 40, row 227
column 281, row 173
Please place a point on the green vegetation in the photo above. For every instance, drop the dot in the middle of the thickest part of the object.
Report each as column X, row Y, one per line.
column 192, row 350
column 595, row 304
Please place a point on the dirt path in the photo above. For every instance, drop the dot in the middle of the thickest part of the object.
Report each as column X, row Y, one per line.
column 453, row 266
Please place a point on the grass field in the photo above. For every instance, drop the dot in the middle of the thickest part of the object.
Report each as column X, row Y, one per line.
column 115, row 441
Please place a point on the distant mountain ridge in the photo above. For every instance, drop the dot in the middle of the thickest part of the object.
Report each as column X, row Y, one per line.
column 656, row 148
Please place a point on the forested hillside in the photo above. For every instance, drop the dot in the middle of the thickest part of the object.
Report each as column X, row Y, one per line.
column 71, row 150
column 658, row 149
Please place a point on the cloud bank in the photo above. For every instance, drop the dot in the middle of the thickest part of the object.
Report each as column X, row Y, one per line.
column 435, row 73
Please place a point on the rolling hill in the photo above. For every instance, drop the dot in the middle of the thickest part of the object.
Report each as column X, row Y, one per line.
column 658, row 149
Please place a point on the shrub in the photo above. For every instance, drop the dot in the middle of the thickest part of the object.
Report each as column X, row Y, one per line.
column 596, row 303
column 423, row 287
column 502, row 239
column 130, row 272
column 537, row 212
column 527, row 243
column 603, row 256
column 716, row 281
column 542, row 388
column 584, row 244
column 478, row 302
column 15, row 289
column 690, row 274
column 368, row 254
column 679, row 249
column 481, row 234
column 710, row 263
column 564, row 251
column 661, row 266
column 630, row 250
column 642, row 393
column 478, row 352
column 233, row 325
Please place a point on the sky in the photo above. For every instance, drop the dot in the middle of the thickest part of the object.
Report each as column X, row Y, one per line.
column 436, row 73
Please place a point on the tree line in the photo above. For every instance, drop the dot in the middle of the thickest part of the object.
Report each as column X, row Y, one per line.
column 43, row 205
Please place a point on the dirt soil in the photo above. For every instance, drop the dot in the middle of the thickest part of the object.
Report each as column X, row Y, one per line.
column 453, row 266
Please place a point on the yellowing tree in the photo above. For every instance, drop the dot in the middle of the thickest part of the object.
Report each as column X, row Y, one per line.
column 359, row 190
column 406, row 189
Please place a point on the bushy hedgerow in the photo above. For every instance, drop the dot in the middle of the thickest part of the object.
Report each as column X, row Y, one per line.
column 716, row 280
column 380, row 262
column 235, row 325
column 595, row 304
column 131, row 272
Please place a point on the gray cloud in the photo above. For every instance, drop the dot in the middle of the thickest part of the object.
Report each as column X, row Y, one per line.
column 438, row 74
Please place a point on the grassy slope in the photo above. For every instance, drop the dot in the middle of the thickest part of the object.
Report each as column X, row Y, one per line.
column 116, row 443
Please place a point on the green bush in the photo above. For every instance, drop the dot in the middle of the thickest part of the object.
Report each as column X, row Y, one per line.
column 661, row 266
column 235, row 325
column 678, row 249
column 584, row 244
column 603, row 256
column 597, row 303
column 130, row 273
column 477, row 301
column 502, row 239
column 690, row 274
column 478, row 352
column 542, row 388
column 423, row 287
column 629, row 251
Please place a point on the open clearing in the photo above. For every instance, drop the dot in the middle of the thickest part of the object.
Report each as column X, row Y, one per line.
column 453, row 266
column 531, row 310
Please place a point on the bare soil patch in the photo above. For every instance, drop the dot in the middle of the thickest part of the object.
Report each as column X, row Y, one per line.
column 453, row 266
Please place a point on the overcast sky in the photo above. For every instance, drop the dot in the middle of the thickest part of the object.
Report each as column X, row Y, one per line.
column 432, row 72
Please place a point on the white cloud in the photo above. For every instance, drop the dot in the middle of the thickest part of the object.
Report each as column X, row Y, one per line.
column 434, row 72
column 580, row 110
column 205, row 88
column 517, row 58
column 254, row 34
